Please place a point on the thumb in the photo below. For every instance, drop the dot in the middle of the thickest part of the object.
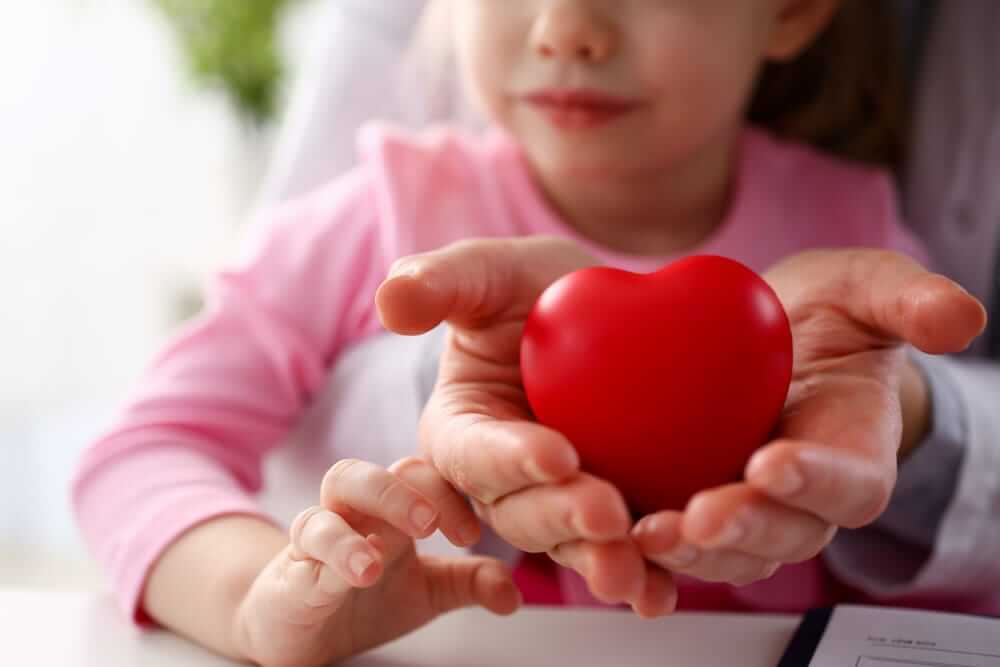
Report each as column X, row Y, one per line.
column 927, row 310
column 940, row 317
column 894, row 296
column 454, row 583
column 474, row 284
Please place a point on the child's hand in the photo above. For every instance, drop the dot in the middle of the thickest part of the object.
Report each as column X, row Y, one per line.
column 852, row 402
column 351, row 578
column 477, row 428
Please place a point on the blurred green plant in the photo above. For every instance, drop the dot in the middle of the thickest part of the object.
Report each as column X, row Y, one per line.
column 232, row 45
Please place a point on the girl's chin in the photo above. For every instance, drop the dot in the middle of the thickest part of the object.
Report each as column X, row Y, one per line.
column 589, row 165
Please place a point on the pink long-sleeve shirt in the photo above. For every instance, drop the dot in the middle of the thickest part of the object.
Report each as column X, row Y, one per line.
column 189, row 444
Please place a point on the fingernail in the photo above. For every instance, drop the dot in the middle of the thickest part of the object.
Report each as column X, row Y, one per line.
column 359, row 563
column 786, row 483
column 570, row 459
column 533, row 471
column 422, row 516
column 682, row 556
column 643, row 526
column 733, row 533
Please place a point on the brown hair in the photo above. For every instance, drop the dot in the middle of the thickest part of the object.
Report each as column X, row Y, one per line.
column 846, row 93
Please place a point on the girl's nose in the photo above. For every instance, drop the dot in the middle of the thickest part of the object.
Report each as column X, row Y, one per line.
column 573, row 32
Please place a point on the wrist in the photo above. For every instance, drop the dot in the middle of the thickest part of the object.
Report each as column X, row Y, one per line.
column 915, row 406
column 239, row 579
column 198, row 585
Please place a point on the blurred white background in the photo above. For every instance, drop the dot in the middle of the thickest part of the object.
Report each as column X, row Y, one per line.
column 121, row 185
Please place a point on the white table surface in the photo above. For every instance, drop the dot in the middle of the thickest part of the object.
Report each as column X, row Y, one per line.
column 86, row 630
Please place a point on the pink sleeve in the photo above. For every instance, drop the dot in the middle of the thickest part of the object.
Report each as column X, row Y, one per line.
column 189, row 444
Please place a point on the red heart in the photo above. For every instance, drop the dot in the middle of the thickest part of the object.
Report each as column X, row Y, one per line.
column 665, row 383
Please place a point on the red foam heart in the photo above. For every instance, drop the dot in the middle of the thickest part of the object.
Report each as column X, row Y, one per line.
column 665, row 383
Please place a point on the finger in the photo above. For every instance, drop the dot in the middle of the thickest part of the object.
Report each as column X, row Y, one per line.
column 660, row 540
column 739, row 518
column 836, row 455
column 456, row 519
column 463, row 582
column 659, row 597
column 540, row 518
column 897, row 297
column 474, row 283
column 839, row 486
column 659, row 533
column 360, row 489
column 928, row 310
column 487, row 452
column 325, row 559
column 615, row 571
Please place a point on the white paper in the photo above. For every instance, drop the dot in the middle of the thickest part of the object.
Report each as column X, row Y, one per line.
column 882, row 637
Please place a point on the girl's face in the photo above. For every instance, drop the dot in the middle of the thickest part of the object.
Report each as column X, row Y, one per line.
column 591, row 87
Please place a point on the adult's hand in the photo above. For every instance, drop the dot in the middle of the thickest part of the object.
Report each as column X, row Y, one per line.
column 522, row 478
column 855, row 405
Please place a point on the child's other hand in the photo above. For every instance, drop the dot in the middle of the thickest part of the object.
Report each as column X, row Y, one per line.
column 477, row 428
column 351, row 578
column 850, row 413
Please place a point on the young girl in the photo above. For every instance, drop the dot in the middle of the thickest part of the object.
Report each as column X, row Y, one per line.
column 640, row 130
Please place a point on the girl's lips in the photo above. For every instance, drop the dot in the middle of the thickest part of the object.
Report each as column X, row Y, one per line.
column 580, row 109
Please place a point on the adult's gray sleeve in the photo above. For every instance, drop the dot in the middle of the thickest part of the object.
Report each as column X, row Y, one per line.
column 941, row 533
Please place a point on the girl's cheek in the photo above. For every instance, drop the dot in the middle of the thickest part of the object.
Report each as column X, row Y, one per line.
column 712, row 86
